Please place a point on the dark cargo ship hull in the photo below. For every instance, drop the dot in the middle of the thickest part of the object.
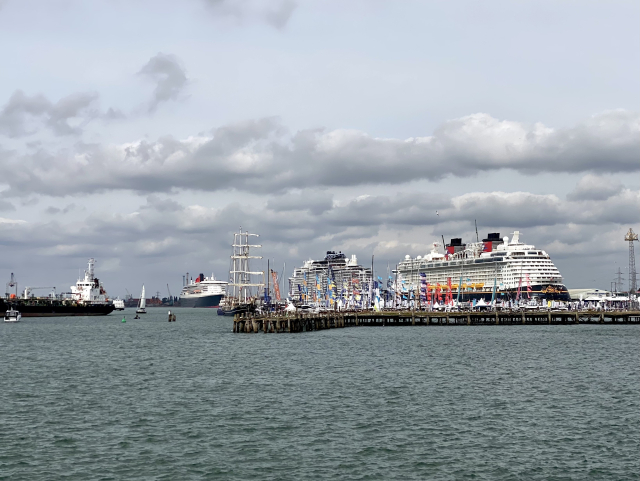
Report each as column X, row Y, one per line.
column 53, row 309
column 204, row 301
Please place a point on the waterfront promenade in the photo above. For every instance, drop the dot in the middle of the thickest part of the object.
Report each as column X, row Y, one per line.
column 298, row 322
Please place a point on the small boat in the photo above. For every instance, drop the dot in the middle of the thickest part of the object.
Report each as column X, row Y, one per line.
column 118, row 304
column 305, row 308
column 237, row 309
column 142, row 305
column 12, row 316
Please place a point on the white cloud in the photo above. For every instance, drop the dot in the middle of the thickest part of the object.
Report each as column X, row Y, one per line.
column 259, row 156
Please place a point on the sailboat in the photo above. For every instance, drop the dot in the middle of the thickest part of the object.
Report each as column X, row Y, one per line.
column 142, row 304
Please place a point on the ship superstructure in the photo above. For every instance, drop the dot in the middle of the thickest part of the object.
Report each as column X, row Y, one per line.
column 89, row 290
column 335, row 278
column 496, row 267
column 203, row 292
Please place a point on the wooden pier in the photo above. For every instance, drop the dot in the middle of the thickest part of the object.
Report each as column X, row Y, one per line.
column 278, row 323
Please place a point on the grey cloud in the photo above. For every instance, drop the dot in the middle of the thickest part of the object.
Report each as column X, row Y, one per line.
column 162, row 205
column 6, row 206
column 274, row 12
column 315, row 202
column 594, row 187
column 169, row 76
column 388, row 226
column 279, row 15
column 114, row 114
column 19, row 113
column 52, row 210
column 260, row 156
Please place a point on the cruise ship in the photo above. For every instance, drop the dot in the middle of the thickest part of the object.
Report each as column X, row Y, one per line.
column 334, row 278
column 492, row 269
column 203, row 292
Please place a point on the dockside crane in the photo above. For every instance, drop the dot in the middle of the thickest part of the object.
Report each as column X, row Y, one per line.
column 170, row 296
column 12, row 283
column 28, row 289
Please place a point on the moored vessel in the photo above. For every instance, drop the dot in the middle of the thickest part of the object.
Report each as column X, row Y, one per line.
column 243, row 290
column 492, row 269
column 335, row 279
column 203, row 292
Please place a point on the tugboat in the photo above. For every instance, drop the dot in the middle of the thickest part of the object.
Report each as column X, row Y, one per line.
column 12, row 316
column 118, row 304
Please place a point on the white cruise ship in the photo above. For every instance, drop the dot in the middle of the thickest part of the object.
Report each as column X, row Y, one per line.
column 326, row 281
column 514, row 268
column 203, row 292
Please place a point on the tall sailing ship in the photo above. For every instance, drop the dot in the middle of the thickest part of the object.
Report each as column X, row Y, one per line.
column 245, row 286
column 494, row 268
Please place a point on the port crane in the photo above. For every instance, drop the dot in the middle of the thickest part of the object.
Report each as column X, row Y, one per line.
column 170, row 296
column 28, row 289
column 12, row 283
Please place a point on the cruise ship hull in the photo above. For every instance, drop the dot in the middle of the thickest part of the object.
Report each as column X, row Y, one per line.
column 54, row 309
column 201, row 301
column 555, row 292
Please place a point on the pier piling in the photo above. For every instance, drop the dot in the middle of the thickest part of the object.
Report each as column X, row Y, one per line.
column 279, row 323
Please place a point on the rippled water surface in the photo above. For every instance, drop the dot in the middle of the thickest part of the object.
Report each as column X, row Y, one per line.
column 93, row 398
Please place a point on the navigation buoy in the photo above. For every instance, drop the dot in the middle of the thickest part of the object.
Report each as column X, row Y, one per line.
column 124, row 319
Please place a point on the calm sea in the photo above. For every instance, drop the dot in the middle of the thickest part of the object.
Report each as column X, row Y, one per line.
column 93, row 398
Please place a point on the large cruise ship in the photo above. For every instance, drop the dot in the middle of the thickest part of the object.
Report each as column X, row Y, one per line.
column 333, row 279
column 494, row 268
column 203, row 292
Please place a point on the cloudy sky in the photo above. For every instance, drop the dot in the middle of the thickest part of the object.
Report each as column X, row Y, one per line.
column 143, row 133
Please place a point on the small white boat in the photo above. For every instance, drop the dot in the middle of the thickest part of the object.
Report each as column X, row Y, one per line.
column 118, row 304
column 308, row 308
column 12, row 316
column 142, row 305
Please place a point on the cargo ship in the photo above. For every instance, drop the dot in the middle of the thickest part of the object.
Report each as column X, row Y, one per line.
column 492, row 269
column 203, row 292
column 88, row 298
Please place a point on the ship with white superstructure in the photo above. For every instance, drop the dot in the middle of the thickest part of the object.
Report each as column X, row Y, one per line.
column 203, row 292
column 494, row 268
column 334, row 278
column 87, row 298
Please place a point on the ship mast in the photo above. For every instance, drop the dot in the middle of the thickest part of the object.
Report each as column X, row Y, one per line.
column 240, row 283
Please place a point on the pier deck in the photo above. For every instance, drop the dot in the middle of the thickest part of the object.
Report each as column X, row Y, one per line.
column 278, row 323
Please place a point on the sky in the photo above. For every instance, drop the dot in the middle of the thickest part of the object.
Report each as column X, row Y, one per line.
column 145, row 133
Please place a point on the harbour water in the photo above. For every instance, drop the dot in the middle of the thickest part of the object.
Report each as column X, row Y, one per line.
column 94, row 398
